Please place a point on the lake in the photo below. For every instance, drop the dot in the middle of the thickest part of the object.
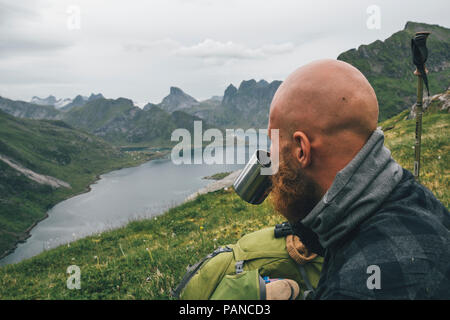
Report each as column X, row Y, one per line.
column 117, row 198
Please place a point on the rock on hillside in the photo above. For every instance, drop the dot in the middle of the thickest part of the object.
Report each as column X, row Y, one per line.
column 438, row 102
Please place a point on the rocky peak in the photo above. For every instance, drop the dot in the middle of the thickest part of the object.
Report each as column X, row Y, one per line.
column 229, row 96
column 247, row 84
column 262, row 83
column 123, row 101
column 148, row 106
column 79, row 99
column 50, row 100
column 230, row 90
column 251, row 96
column 177, row 100
column 95, row 96
column 176, row 91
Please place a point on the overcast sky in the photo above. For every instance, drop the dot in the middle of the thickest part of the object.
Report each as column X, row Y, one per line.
column 138, row 49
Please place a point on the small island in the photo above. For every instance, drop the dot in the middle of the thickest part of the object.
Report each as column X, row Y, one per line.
column 218, row 176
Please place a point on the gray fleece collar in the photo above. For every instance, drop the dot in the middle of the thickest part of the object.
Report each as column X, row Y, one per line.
column 356, row 193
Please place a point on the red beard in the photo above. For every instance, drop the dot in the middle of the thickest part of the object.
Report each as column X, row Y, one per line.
column 294, row 194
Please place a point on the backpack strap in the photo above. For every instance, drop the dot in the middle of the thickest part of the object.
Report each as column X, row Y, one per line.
column 310, row 290
column 192, row 270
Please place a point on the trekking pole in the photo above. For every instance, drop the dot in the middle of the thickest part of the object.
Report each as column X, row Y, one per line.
column 420, row 55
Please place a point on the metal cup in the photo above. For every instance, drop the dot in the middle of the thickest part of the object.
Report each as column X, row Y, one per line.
column 252, row 186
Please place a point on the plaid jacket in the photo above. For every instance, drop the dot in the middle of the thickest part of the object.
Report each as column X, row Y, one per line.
column 402, row 251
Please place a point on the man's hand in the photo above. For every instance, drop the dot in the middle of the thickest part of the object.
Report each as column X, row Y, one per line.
column 282, row 289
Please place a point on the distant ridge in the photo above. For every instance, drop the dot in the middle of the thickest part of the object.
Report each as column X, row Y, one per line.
column 65, row 103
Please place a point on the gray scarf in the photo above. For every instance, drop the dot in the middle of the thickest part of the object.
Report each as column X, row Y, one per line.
column 357, row 192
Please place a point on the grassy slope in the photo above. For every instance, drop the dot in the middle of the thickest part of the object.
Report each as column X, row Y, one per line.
column 50, row 148
column 147, row 258
column 435, row 149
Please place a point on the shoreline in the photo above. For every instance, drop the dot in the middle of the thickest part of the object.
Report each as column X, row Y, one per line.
column 27, row 233
column 226, row 182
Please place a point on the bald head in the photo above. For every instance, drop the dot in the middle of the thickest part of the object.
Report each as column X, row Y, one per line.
column 325, row 97
column 330, row 104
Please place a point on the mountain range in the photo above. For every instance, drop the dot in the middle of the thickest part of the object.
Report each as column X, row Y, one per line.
column 120, row 122
column 386, row 64
column 65, row 103
column 51, row 101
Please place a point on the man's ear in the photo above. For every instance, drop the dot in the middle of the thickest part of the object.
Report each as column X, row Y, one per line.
column 302, row 149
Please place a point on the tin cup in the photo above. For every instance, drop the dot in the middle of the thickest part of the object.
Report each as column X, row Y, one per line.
column 251, row 185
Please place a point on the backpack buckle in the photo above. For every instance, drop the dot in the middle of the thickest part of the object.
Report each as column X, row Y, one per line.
column 239, row 266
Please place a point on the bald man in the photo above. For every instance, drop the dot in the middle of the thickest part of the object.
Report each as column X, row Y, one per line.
column 382, row 234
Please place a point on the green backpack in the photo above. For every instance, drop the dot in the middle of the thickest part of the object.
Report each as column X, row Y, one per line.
column 236, row 271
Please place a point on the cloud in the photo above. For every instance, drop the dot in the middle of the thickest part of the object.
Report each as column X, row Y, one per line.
column 9, row 12
column 272, row 49
column 24, row 45
column 223, row 51
column 24, row 32
column 211, row 52
column 162, row 44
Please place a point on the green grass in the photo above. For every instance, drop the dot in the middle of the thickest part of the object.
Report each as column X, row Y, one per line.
column 435, row 149
column 147, row 258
